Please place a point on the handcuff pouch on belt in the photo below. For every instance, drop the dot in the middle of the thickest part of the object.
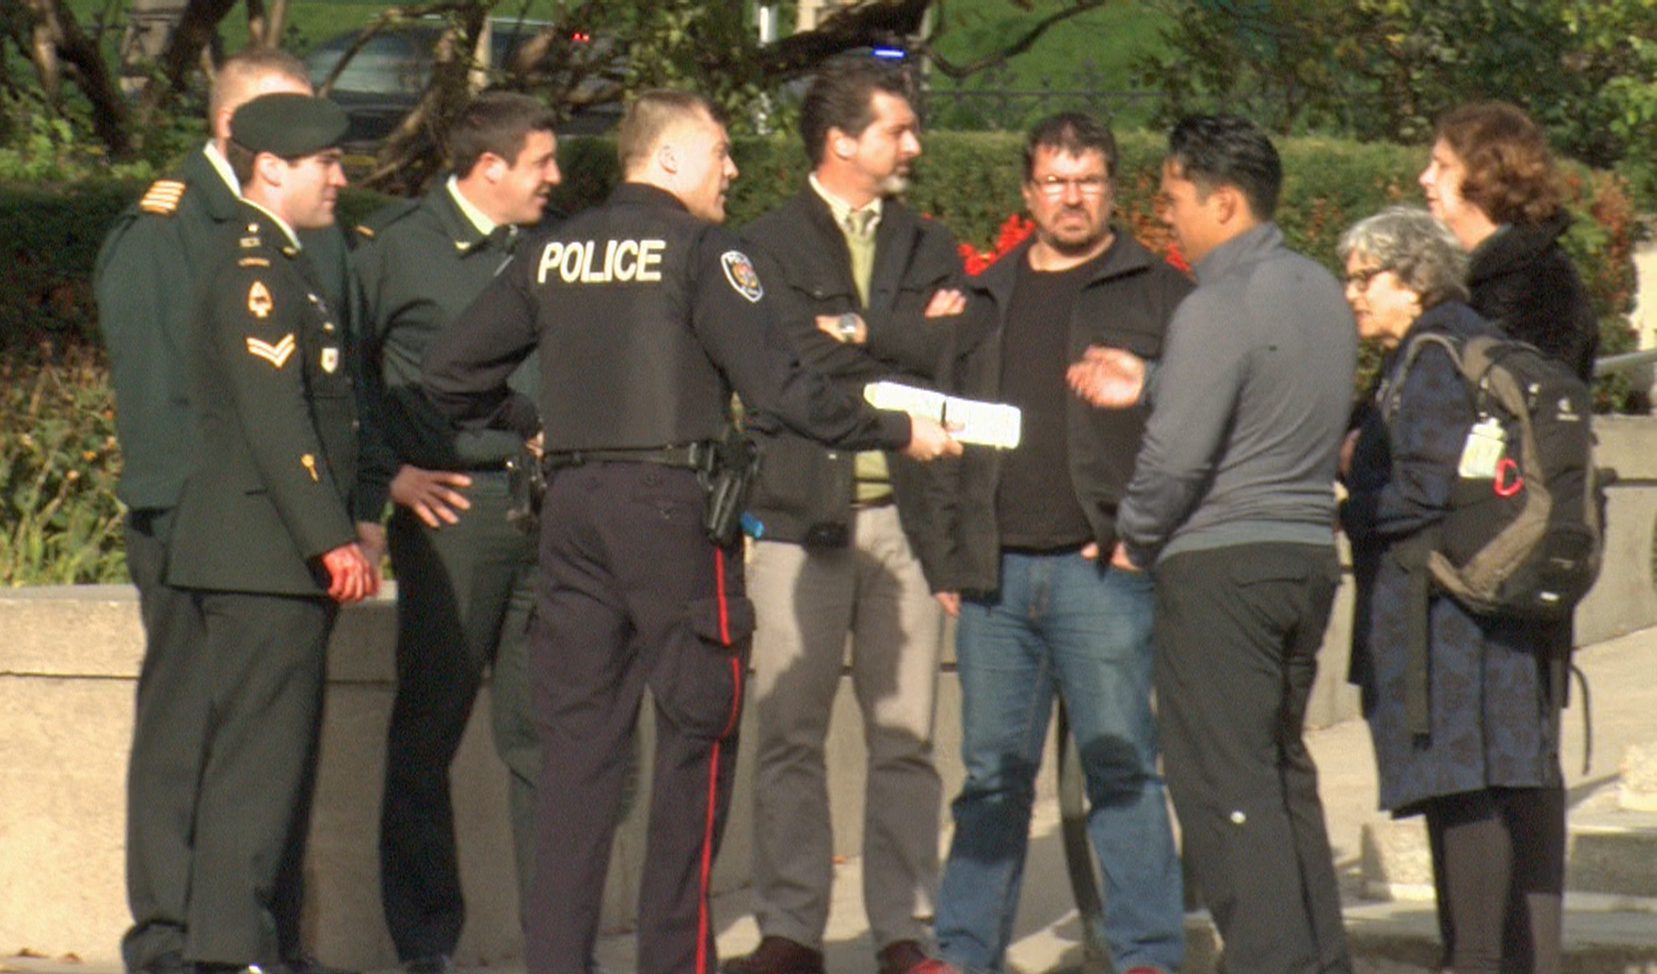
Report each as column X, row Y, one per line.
column 526, row 481
column 727, row 482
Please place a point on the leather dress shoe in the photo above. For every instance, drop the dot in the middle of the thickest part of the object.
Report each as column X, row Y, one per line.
column 907, row 957
column 777, row 955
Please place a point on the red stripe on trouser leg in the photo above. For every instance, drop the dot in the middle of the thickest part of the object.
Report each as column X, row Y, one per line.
column 707, row 864
column 724, row 608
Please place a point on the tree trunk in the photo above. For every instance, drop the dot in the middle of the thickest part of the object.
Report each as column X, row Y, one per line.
column 57, row 42
column 195, row 29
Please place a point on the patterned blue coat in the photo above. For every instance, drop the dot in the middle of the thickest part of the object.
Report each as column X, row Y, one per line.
column 1494, row 719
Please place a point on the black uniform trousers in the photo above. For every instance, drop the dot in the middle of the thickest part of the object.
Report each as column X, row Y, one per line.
column 264, row 657
column 168, row 737
column 465, row 597
column 633, row 595
column 1238, row 630
column 170, row 732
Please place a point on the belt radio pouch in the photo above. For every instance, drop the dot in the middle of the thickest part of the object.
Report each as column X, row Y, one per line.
column 726, row 483
column 526, row 481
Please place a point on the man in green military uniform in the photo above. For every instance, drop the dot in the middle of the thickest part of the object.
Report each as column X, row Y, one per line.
column 265, row 539
column 145, row 277
column 465, row 575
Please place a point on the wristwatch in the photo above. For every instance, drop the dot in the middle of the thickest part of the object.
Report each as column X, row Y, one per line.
column 847, row 327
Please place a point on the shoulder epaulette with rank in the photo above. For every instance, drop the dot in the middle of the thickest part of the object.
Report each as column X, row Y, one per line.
column 385, row 216
column 163, row 196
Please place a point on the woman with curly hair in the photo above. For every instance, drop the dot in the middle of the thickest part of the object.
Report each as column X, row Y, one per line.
column 1491, row 181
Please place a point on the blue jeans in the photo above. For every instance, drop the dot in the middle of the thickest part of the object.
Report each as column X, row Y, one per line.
column 1060, row 622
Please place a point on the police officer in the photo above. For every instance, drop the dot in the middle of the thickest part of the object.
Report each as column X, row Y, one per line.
column 647, row 315
column 145, row 276
column 465, row 574
column 265, row 540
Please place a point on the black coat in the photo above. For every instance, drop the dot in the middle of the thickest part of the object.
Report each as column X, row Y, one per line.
column 803, row 259
column 1127, row 304
column 1494, row 721
column 1522, row 280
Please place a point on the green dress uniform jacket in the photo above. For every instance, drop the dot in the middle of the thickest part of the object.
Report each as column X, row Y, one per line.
column 416, row 267
column 277, row 455
column 145, row 280
column 465, row 591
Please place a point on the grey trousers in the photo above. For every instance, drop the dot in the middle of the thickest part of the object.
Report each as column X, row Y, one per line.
column 807, row 602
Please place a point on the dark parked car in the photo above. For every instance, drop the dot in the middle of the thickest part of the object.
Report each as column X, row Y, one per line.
column 384, row 80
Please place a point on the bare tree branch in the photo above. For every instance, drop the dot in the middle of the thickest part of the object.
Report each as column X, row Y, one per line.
column 869, row 23
column 194, row 31
column 390, row 17
column 1023, row 43
column 412, row 152
column 57, row 41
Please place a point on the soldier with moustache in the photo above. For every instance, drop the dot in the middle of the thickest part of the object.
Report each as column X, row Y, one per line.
column 647, row 316
column 146, row 274
column 265, row 543
column 465, row 573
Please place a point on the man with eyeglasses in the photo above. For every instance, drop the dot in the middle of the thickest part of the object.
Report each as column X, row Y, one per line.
column 1041, row 610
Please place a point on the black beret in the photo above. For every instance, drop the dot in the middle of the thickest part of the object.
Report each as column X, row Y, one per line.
column 288, row 125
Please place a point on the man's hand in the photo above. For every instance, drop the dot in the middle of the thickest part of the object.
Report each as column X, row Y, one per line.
column 351, row 577
column 1111, row 378
column 830, row 326
column 946, row 302
column 951, row 601
column 928, row 440
column 371, row 535
column 433, row 495
column 1119, row 559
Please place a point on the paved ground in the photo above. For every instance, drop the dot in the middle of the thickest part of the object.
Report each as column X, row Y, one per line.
column 1622, row 675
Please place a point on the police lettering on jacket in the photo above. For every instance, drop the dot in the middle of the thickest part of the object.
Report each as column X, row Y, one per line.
column 590, row 262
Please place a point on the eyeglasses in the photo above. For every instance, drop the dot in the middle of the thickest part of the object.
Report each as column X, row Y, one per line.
column 1361, row 279
column 1054, row 187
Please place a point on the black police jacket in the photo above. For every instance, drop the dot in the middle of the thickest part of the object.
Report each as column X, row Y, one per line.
column 647, row 318
column 805, row 492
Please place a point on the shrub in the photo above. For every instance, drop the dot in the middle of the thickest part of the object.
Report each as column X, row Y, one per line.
column 59, row 520
column 57, row 458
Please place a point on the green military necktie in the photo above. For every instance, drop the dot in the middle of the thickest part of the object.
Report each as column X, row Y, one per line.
column 873, row 479
column 860, row 240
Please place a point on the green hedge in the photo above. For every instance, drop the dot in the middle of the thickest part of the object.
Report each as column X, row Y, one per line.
column 59, row 521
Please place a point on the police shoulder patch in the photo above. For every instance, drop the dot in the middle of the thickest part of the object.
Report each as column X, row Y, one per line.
column 739, row 271
column 162, row 198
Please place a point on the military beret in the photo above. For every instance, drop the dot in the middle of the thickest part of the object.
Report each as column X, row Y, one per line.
column 288, row 125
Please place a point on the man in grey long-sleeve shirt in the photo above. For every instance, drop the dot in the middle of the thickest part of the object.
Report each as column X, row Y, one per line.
column 1231, row 501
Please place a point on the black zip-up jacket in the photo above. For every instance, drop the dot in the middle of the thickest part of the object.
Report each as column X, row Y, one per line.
column 805, row 491
column 1127, row 304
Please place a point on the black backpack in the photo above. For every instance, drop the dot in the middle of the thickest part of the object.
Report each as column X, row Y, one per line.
column 1525, row 527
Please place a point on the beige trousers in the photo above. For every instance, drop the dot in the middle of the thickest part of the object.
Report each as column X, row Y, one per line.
column 815, row 605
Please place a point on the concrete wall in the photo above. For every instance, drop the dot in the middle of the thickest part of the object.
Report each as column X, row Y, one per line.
column 69, row 660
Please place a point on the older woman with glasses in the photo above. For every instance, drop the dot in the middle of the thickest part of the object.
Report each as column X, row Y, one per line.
column 1477, row 751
